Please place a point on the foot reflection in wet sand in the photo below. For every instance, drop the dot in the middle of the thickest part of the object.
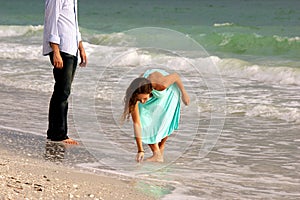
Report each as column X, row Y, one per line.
column 55, row 151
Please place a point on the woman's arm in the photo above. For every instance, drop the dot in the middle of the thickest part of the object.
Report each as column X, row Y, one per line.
column 165, row 81
column 138, row 133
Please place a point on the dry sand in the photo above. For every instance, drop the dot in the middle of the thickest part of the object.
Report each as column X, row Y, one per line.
column 29, row 178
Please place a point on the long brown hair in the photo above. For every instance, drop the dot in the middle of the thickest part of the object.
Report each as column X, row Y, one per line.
column 138, row 86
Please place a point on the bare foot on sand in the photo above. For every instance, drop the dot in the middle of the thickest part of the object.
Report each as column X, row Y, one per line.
column 70, row 141
column 157, row 157
column 162, row 150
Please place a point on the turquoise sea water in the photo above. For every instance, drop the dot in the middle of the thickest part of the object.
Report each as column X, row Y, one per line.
column 239, row 139
column 269, row 28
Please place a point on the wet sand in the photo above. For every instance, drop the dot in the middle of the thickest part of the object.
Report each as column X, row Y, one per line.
column 23, row 177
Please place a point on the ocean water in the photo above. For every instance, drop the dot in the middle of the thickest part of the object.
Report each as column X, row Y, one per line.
column 239, row 138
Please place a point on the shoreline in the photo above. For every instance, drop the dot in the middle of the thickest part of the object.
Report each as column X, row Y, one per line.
column 23, row 177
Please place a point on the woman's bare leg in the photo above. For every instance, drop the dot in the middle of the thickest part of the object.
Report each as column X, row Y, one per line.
column 161, row 145
column 156, row 157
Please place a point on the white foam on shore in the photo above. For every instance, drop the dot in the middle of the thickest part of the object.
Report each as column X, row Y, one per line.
column 20, row 130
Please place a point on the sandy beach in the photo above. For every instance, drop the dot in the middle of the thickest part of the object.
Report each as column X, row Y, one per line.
column 28, row 178
column 238, row 139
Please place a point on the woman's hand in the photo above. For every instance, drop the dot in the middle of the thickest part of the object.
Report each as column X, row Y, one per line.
column 140, row 156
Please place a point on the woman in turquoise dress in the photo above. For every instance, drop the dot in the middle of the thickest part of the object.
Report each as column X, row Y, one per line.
column 153, row 102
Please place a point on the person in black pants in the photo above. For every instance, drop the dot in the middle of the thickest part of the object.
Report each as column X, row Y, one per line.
column 62, row 42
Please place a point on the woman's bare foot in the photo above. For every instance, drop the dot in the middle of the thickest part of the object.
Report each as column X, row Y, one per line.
column 157, row 157
column 162, row 150
column 70, row 141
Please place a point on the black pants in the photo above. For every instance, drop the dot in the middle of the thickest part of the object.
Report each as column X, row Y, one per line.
column 58, row 108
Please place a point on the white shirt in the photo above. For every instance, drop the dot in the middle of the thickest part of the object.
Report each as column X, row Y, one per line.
column 61, row 26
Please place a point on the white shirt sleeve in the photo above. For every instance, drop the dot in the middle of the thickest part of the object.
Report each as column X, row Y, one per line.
column 52, row 8
column 61, row 26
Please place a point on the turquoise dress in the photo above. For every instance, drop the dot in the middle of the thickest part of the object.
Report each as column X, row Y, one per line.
column 160, row 115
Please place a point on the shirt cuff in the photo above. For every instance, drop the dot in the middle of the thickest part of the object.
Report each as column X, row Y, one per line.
column 54, row 39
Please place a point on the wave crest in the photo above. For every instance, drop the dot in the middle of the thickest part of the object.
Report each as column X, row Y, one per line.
column 11, row 31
